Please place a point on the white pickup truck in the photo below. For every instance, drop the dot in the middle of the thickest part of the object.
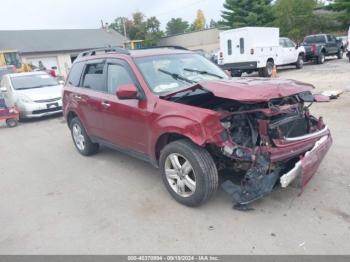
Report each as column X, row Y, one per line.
column 251, row 49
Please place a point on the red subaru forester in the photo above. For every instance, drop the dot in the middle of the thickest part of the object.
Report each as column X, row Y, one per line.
column 182, row 113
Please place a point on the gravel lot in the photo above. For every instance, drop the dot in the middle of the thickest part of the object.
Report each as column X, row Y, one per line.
column 54, row 201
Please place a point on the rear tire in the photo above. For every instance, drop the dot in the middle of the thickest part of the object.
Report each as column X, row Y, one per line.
column 236, row 73
column 267, row 70
column 81, row 140
column 11, row 122
column 321, row 58
column 300, row 62
column 203, row 172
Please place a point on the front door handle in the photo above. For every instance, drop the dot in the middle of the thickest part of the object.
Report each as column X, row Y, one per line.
column 105, row 104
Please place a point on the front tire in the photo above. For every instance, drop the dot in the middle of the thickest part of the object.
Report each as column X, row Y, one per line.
column 189, row 172
column 11, row 122
column 300, row 62
column 81, row 140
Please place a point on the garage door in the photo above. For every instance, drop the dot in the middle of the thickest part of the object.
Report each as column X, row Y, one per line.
column 48, row 62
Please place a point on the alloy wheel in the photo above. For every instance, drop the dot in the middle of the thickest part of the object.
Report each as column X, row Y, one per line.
column 78, row 137
column 180, row 175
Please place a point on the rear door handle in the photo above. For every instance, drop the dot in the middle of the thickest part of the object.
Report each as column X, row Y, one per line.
column 105, row 104
column 77, row 97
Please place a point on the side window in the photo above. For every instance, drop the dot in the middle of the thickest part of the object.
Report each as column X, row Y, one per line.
column 282, row 43
column 117, row 75
column 75, row 74
column 94, row 77
column 241, row 45
column 290, row 43
column 229, row 47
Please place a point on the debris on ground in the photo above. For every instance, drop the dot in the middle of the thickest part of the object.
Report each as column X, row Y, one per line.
column 302, row 244
column 332, row 94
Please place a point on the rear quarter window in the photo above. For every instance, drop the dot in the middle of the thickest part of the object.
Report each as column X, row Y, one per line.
column 75, row 74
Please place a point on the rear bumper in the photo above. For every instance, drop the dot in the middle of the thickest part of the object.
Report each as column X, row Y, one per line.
column 252, row 65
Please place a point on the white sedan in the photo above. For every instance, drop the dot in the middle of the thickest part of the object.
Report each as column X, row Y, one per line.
column 34, row 94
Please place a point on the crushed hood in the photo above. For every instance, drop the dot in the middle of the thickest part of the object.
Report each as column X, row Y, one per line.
column 252, row 89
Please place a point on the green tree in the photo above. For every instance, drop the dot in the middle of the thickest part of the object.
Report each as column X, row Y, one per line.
column 240, row 13
column 296, row 18
column 138, row 28
column 213, row 23
column 118, row 25
column 342, row 9
column 176, row 26
column 153, row 32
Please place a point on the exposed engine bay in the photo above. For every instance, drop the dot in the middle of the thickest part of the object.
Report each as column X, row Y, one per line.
column 262, row 139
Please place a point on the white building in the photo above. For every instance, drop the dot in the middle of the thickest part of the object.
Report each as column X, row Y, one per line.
column 57, row 48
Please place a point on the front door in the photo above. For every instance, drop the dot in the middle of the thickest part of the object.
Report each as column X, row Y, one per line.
column 126, row 121
column 288, row 51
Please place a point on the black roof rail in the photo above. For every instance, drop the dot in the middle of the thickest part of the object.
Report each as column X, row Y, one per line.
column 166, row 46
column 104, row 50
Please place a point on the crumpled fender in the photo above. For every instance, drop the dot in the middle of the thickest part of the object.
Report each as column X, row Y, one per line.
column 200, row 132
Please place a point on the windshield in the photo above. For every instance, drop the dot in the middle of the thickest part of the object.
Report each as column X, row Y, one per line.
column 33, row 81
column 314, row 39
column 168, row 73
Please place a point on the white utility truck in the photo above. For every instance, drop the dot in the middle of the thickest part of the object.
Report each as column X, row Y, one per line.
column 251, row 49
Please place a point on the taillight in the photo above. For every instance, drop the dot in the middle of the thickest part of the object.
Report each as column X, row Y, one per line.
column 313, row 49
column 221, row 55
column 252, row 51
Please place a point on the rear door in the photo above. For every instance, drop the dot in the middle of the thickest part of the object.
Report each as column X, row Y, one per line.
column 235, row 47
column 331, row 45
column 126, row 121
column 90, row 95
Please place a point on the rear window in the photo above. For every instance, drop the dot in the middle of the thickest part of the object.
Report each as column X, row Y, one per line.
column 314, row 39
column 75, row 73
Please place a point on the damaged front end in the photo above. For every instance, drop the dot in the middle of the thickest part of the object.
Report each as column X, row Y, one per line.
column 269, row 135
column 267, row 143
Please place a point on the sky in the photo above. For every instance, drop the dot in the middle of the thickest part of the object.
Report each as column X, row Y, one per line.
column 72, row 14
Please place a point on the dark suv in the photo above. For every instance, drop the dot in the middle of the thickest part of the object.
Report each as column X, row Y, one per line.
column 317, row 47
column 179, row 111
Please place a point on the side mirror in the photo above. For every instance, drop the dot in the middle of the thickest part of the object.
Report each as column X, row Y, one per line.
column 3, row 89
column 128, row 91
